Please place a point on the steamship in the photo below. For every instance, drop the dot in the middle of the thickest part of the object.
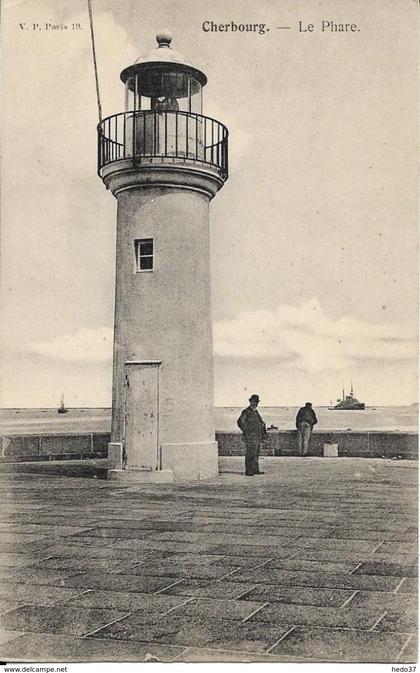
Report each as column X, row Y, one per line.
column 349, row 402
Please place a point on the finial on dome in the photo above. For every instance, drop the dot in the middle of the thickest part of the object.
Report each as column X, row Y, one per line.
column 164, row 38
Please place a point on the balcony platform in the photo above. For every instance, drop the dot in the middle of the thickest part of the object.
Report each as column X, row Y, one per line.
column 147, row 138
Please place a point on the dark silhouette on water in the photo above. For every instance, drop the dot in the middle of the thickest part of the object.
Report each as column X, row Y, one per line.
column 349, row 402
column 62, row 409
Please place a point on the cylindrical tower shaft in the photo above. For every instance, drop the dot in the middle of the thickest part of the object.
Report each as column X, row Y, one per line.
column 165, row 314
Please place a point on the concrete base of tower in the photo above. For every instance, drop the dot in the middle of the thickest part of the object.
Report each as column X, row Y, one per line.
column 142, row 476
column 191, row 462
column 180, row 462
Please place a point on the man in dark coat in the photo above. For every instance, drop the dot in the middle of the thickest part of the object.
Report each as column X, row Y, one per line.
column 305, row 421
column 254, row 432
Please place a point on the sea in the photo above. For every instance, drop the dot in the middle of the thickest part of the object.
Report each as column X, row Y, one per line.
column 94, row 419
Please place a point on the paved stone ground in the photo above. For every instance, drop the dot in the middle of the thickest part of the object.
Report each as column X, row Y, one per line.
column 313, row 561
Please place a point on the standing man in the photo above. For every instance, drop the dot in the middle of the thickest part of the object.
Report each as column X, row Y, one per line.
column 254, row 432
column 305, row 421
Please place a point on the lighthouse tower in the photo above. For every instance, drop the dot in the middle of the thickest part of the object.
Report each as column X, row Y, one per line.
column 164, row 161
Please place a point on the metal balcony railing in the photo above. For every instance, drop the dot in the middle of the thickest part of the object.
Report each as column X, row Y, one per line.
column 141, row 135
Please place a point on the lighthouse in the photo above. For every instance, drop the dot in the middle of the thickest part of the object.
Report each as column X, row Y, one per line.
column 164, row 161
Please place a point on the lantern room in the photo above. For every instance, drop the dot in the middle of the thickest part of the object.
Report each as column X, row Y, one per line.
column 164, row 81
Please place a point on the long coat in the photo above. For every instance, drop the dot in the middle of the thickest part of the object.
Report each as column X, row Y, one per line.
column 252, row 425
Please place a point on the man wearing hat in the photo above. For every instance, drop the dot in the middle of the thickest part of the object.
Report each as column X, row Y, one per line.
column 305, row 421
column 254, row 432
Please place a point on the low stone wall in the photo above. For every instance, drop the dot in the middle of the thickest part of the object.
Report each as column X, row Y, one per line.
column 372, row 444
column 54, row 447
column 16, row 448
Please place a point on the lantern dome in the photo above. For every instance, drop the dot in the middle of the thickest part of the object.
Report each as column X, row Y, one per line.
column 163, row 58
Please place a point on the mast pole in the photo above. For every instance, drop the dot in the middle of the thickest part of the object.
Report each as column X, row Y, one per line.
column 98, row 97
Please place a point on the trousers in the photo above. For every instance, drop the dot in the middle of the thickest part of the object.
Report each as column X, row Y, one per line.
column 252, row 454
column 303, row 436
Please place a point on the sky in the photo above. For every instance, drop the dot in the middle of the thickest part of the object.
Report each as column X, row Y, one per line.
column 314, row 249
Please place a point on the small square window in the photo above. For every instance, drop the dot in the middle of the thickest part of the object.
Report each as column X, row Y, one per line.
column 144, row 254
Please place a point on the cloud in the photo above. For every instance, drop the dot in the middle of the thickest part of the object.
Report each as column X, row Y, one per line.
column 296, row 336
column 304, row 337
column 86, row 345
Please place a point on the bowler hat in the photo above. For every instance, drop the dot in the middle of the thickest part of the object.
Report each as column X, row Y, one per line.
column 254, row 398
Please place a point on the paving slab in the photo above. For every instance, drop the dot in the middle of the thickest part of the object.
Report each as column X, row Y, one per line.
column 409, row 547
column 386, row 569
column 410, row 652
column 59, row 619
column 14, row 547
column 261, row 529
column 7, row 636
column 12, row 539
column 113, row 533
column 6, row 606
column 178, row 571
column 84, row 541
column 32, row 647
column 338, row 555
column 214, row 655
column 48, row 530
column 307, row 615
column 154, row 604
column 197, row 632
column 81, row 552
column 15, row 507
column 210, row 588
column 259, row 539
column 151, row 523
column 295, row 563
column 351, row 547
column 317, row 579
column 41, row 518
column 33, row 594
column 219, row 609
column 167, row 568
column 236, row 561
column 342, row 645
column 383, row 600
column 398, row 621
column 203, row 559
column 265, row 552
column 34, row 576
column 114, row 582
column 77, row 565
column 301, row 596
column 355, row 534
column 12, row 560
column 178, row 547
column 410, row 585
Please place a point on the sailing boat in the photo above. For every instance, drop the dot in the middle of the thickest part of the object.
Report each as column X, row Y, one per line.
column 62, row 409
column 349, row 402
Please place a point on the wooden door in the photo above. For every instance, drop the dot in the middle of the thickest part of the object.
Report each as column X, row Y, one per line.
column 141, row 433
